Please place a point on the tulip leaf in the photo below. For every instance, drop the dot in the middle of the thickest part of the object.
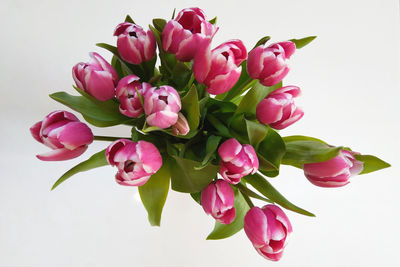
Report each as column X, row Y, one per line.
column 300, row 43
column 185, row 178
column 213, row 21
column 262, row 41
column 190, row 108
column 257, row 93
column 226, row 230
column 154, row 193
column 129, row 19
column 371, row 163
column 181, row 74
column 95, row 161
column 196, row 197
column 265, row 188
column 159, row 24
column 94, row 113
column 211, row 147
column 303, row 149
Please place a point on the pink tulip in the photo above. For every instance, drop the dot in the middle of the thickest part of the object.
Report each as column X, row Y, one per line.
column 219, row 68
column 278, row 108
column 136, row 162
column 217, row 200
column 335, row 172
column 130, row 104
column 268, row 229
column 236, row 160
column 162, row 106
column 97, row 77
column 134, row 44
column 181, row 127
column 270, row 64
column 64, row 133
column 183, row 35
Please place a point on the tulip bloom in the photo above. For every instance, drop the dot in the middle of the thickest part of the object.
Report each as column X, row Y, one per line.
column 162, row 106
column 219, row 69
column 217, row 200
column 335, row 172
column 64, row 133
column 134, row 44
column 270, row 64
column 268, row 229
column 126, row 93
column 278, row 108
column 181, row 127
column 136, row 162
column 183, row 35
column 97, row 77
column 236, row 160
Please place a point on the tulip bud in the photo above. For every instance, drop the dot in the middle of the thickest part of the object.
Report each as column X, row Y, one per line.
column 136, row 162
column 181, row 127
column 217, row 200
column 134, row 44
column 278, row 108
column 335, row 172
column 268, row 229
column 270, row 64
column 236, row 160
column 183, row 35
column 64, row 133
column 126, row 93
column 97, row 77
column 219, row 69
column 162, row 106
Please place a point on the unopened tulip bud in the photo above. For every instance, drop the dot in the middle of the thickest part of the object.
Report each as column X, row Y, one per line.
column 181, row 127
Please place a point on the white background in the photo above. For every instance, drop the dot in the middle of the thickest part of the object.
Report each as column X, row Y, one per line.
column 350, row 81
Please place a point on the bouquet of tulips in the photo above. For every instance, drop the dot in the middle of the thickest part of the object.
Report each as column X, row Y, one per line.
column 204, row 120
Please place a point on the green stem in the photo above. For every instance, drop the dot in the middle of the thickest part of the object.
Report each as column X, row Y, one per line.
column 246, row 85
column 248, row 200
column 108, row 138
column 250, row 193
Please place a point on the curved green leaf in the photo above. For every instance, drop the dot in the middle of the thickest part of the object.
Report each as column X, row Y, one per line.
column 371, row 163
column 95, row 161
column 190, row 108
column 159, row 24
column 262, row 41
column 226, row 230
column 154, row 193
column 300, row 43
column 185, row 178
column 265, row 188
column 211, row 147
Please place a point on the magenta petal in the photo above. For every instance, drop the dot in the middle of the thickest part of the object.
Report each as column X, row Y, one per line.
column 75, row 134
column 208, row 198
column 228, row 216
column 332, row 167
column 202, row 62
column 62, row 154
column 150, row 156
column 100, row 85
column 255, row 226
column 269, row 110
column 229, row 149
column 35, row 131
column 225, row 193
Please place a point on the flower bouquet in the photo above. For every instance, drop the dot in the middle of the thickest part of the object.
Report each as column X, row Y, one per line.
column 204, row 120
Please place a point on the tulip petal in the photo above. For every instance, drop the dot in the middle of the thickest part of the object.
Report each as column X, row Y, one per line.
column 62, row 154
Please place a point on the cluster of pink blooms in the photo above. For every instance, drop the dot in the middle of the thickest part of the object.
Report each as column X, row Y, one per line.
column 189, row 37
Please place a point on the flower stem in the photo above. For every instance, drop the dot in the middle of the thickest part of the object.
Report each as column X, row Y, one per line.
column 248, row 200
column 251, row 193
column 238, row 91
column 108, row 138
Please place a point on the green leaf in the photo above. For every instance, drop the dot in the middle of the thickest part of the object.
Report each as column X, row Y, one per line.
column 219, row 126
column 257, row 93
column 226, row 230
column 265, row 188
column 154, row 193
column 303, row 41
column 184, row 177
column 213, row 21
column 196, row 196
column 303, row 149
column 180, row 75
column 247, row 192
column 159, row 24
column 256, row 132
column 95, row 161
column 262, row 41
column 129, row 19
column 190, row 108
column 371, row 163
column 211, row 147
column 95, row 113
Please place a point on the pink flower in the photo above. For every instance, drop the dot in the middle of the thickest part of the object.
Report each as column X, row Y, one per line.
column 97, row 77
column 64, row 133
column 130, row 104
column 183, row 35
column 217, row 200
column 136, row 162
column 162, row 106
column 219, row 69
column 134, row 44
column 181, row 127
column 268, row 229
column 236, row 160
column 278, row 108
column 270, row 64
column 335, row 172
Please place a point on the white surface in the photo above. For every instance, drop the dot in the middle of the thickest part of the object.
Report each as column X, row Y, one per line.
column 350, row 81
